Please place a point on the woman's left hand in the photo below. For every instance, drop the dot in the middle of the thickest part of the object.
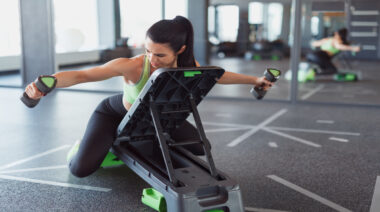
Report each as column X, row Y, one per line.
column 264, row 83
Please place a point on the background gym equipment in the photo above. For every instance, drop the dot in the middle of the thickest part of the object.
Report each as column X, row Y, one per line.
column 271, row 75
column 264, row 49
column 45, row 84
column 307, row 72
column 187, row 182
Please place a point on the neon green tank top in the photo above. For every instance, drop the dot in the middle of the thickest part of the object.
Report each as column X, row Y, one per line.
column 329, row 47
column 132, row 91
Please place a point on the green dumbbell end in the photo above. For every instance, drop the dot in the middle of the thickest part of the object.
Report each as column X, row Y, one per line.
column 275, row 72
column 48, row 81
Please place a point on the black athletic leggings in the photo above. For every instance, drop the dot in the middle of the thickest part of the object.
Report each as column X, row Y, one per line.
column 101, row 133
column 323, row 60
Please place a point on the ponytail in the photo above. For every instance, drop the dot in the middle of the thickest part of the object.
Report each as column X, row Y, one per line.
column 176, row 32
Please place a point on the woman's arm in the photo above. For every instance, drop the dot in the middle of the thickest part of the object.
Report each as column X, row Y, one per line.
column 319, row 43
column 119, row 67
column 235, row 78
column 344, row 47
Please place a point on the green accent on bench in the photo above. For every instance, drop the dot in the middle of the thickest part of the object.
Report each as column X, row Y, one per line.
column 191, row 73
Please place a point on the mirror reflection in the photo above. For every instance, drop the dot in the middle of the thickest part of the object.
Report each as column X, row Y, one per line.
column 248, row 38
column 338, row 62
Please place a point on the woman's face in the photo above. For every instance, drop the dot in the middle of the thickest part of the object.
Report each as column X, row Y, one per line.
column 160, row 55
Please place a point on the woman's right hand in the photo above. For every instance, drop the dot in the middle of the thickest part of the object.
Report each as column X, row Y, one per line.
column 356, row 48
column 32, row 91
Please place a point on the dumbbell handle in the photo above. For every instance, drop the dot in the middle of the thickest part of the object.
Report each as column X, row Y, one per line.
column 258, row 91
column 28, row 101
column 45, row 89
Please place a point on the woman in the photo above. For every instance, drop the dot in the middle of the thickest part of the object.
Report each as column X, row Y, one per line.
column 169, row 44
column 329, row 47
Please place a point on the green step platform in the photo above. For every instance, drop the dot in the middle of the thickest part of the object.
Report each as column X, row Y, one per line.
column 156, row 200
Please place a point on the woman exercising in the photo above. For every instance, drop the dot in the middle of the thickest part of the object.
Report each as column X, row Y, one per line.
column 168, row 44
column 329, row 47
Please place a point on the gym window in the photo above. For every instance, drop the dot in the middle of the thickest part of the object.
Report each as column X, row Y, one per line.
column 175, row 7
column 266, row 19
column 227, row 20
column 76, row 25
column 10, row 42
column 136, row 17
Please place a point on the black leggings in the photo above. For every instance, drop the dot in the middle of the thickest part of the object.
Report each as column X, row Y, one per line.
column 101, row 133
column 323, row 60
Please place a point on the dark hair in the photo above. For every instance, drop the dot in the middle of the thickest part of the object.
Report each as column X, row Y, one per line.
column 343, row 35
column 176, row 32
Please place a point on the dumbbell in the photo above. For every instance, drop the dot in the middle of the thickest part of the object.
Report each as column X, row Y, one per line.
column 271, row 75
column 45, row 84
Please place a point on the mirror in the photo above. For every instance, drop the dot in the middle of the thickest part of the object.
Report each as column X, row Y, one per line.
column 331, row 71
column 248, row 38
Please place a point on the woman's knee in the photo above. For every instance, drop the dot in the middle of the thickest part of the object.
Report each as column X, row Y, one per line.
column 79, row 170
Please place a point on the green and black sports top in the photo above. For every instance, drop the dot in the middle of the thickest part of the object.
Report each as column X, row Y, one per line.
column 132, row 91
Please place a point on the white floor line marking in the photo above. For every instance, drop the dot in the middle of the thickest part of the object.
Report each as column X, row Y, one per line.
column 226, row 129
column 34, row 157
column 309, row 194
column 257, row 128
column 261, row 210
column 375, row 204
column 227, row 124
column 34, row 169
column 325, row 121
column 313, row 131
column 68, row 185
column 312, row 92
column 273, row 144
column 293, row 138
column 338, row 139
column 224, row 115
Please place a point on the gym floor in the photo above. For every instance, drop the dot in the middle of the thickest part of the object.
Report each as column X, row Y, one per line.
column 304, row 157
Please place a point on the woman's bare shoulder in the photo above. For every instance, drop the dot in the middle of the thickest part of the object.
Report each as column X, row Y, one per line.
column 135, row 61
column 126, row 66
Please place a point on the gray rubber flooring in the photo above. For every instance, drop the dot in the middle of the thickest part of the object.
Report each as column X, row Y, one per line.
column 285, row 157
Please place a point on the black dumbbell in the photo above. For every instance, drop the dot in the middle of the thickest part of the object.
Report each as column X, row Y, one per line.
column 45, row 84
column 271, row 75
